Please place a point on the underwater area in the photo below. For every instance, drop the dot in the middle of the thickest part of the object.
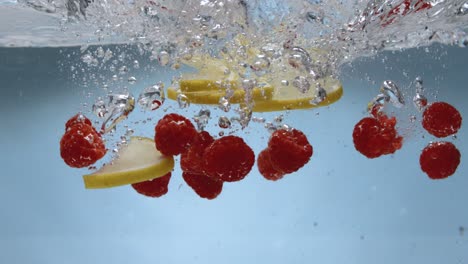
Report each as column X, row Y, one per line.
column 341, row 207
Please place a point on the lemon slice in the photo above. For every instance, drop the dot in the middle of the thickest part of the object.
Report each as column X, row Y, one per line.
column 207, row 87
column 138, row 161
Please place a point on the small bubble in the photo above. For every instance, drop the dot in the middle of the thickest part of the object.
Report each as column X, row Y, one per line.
column 183, row 101
column 136, row 64
column 412, row 118
column 99, row 108
column 129, row 132
column 202, row 118
column 221, row 133
column 224, row 122
column 152, row 97
column 420, row 102
column 279, row 119
column 258, row 119
column 132, row 80
column 320, row 96
column 123, row 70
column 393, row 93
column 302, row 84
column 285, row 82
column 224, row 104
column 270, row 127
column 260, row 65
column 164, row 58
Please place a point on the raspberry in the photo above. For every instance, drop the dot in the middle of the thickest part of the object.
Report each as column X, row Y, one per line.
column 374, row 137
column 203, row 185
column 289, row 150
column 192, row 159
column 174, row 134
column 77, row 119
column 153, row 188
column 439, row 160
column 441, row 119
column 81, row 146
column 228, row 159
column 266, row 168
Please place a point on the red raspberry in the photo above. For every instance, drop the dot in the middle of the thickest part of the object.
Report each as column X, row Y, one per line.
column 203, row 185
column 81, row 146
column 374, row 137
column 153, row 188
column 441, row 119
column 266, row 168
column 77, row 119
column 439, row 160
column 174, row 134
column 289, row 150
column 192, row 159
column 228, row 159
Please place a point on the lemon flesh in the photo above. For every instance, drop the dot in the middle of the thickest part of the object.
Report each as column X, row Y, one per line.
column 138, row 161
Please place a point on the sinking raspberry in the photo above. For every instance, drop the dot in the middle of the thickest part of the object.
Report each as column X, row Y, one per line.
column 374, row 137
column 78, row 119
column 441, row 119
column 174, row 134
column 155, row 187
column 192, row 159
column 289, row 150
column 204, row 186
column 81, row 146
column 228, row 159
column 439, row 160
column 266, row 168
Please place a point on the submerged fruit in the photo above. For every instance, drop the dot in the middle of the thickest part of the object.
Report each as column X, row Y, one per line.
column 153, row 188
column 439, row 160
column 441, row 119
column 374, row 137
column 81, row 145
column 137, row 161
column 174, row 134
column 289, row 150
column 265, row 167
column 228, row 159
column 204, row 186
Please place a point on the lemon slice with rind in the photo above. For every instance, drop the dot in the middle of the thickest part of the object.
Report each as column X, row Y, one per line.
column 137, row 161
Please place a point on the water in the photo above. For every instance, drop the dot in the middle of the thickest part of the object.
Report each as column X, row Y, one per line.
column 341, row 208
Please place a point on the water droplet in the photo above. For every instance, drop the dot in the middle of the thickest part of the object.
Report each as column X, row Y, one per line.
column 420, row 101
column 393, row 93
column 136, row 64
column 378, row 101
column 129, row 132
column 183, row 101
column 119, row 106
column 152, row 97
column 224, row 104
column 164, row 58
column 271, row 127
column 99, row 108
column 202, row 118
column 123, row 70
column 258, row 119
column 132, row 80
column 100, row 53
column 260, row 65
column 320, row 96
column 224, row 122
column 463, row 9
column 301, row 83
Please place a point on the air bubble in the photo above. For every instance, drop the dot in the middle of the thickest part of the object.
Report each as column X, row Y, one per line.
column 260, row 65
column 393, row 93
column 99, row 108
column 119, row 107
column 224, row 122
column 224, row 104
column 302, row 84
column 320, row 96
column 202, row 118
column 183, row 101
column 164, row 58
column 131, row 80
column 152, row 97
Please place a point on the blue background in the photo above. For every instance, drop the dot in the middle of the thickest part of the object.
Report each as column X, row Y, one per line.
column 340, row 208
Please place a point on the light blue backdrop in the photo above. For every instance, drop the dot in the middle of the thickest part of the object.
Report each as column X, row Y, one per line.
column 341, row 208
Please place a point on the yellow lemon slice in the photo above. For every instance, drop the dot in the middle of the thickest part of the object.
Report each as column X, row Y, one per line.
column 138, row 161
column 208, row 86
